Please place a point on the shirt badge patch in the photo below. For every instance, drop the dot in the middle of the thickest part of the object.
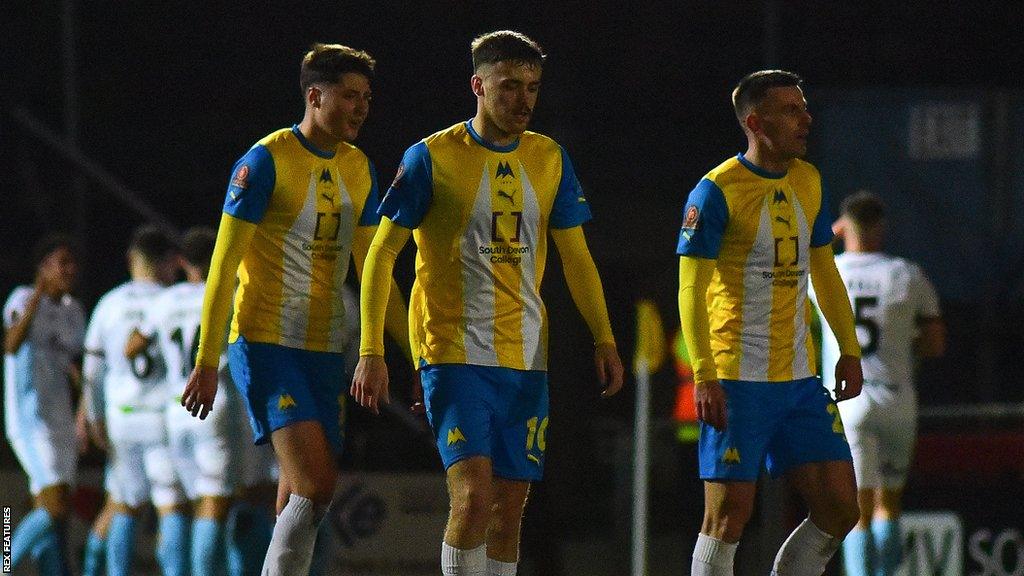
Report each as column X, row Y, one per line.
column 398, row 176
column 692, row 219
column 241, row 178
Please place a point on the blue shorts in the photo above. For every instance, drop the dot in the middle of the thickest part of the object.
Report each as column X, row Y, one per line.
column 282, row 386
column 500, row 413
column 778, row 424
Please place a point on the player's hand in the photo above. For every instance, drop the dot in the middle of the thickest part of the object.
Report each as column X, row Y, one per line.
column 200, row 391
column 609, row 368
column 709, row 398
column 370, row 383
column 849, row 378
column 417, row 407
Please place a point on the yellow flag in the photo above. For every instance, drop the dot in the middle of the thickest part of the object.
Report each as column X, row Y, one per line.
column 650, row 336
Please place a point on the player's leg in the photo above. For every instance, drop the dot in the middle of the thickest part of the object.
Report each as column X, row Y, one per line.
column 811, row 451
column 250, row 525
column 459, row 401
column 898, row 430
column 728, row 506
column 250, row 521
column 522, row 411
column 208, row 467
column 730, row 462
column 309, row 471
column 858, row 546
column 121, row 539
column 48, row 553
column 172, row 506
column 885, row 531
column 292, row 399
column 94, row 558
column 174, row 527
column 859, row 555
column 464, row 551
column 49, row 463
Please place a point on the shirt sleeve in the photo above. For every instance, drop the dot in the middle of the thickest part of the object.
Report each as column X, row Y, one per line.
column 369, row 217
column 409, row 196
column 927, row 298
column 15, row 305
column 252, row 181
column 704, row 220
column 821, row 232
column 570, row 208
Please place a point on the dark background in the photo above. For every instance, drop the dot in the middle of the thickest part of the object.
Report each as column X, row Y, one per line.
column 171, row 94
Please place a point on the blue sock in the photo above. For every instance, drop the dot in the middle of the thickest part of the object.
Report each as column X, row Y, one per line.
column 121, row 544
column 248, row 532
column 95, row 554
column 888, row 546
column 207, row 543
column 31, row 531
column 49, row 555
column 857, row 552
column 172, row 548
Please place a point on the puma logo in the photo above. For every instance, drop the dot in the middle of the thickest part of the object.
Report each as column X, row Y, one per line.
column 328, row 197
column 783, row 220
column 510, row 196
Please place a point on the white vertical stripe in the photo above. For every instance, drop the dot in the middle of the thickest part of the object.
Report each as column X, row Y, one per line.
column 338, row 334
column 758, row 292
column 801, row 364
column 296, row 266
column 478, row 280
column 534, row 355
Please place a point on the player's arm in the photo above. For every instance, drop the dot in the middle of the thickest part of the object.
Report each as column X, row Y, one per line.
column 585, row 287
column 931, row 330
column 834, row 304
column 396, row 315
column 695, row 275
column 931, row 338
column 370, row 381
column 233, row 238
column 136, row 344
column 19, row 320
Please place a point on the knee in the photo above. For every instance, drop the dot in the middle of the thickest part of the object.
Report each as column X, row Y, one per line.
column 317, row 485
column 727, row 522
column 54, row 501
column 839, row 518
column 471, row 505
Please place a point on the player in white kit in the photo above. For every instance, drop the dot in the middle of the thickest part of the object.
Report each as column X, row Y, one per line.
column 204, row 453
column 127, row 400
column 897, row 317
column 43, row 330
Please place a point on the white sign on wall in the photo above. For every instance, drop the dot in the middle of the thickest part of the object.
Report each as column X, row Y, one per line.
column 933, row 544
column 944, row 131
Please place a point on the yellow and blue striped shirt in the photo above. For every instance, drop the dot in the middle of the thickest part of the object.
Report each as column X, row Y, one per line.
column 307, row 203
column 759, row 226
column 481, row 215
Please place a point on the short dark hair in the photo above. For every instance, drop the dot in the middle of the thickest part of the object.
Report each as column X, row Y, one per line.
column 152, row 242
column 327, row 62
column 752, row 88
column 51, row 243
column 505, row 46
column 864, row 209
column 197, row 247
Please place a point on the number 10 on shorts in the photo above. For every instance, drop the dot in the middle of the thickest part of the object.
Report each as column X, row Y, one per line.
column 536, row 434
